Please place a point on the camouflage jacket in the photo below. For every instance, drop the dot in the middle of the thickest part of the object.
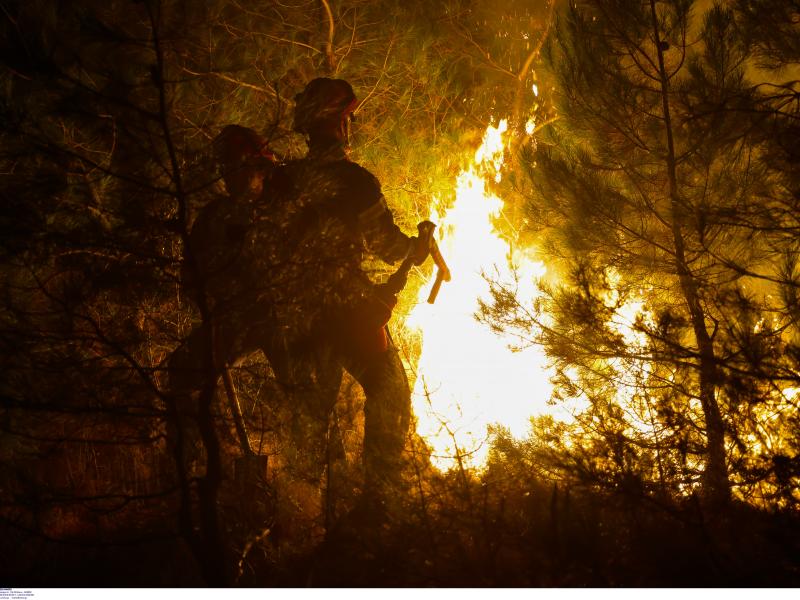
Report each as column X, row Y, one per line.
column 331, row 215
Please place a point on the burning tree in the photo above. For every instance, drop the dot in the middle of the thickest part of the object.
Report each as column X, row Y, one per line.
column 668, row 227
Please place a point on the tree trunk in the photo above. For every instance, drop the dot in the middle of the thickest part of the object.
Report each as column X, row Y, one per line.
column 716, row 486
column 204, row 538
column 211, row 549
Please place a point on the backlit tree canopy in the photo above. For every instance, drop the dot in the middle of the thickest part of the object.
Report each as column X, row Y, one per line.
column 669, row 209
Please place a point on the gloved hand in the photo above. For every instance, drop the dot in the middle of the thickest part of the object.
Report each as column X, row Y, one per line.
column 421, row 247
column 418, row 251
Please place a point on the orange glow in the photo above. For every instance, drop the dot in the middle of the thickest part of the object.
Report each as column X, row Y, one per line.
column 467, row 378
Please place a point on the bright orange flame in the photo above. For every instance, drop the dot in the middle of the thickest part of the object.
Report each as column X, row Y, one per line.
column 467, row 378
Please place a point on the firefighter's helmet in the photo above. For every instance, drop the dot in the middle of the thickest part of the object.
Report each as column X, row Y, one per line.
column 236, row 145
column 323, row 104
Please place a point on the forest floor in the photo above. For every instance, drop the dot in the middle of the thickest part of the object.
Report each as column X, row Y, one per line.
column 593, row 541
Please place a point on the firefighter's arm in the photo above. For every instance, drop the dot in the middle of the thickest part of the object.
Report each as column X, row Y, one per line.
column 376, row 223
column 382, row 236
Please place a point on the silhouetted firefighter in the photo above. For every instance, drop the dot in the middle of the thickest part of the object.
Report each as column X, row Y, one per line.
column 336, row 217
column 235, row 285
column 219, row 234
column 281, row 263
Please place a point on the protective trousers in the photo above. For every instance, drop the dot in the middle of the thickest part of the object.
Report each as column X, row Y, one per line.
column 309, row 382
column 387, row 409
column 310, row 375
column 387, row 414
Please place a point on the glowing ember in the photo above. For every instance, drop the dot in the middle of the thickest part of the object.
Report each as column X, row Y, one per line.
column 467, row 378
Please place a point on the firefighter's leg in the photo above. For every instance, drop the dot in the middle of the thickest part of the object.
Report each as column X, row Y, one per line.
column 184, row 366
column 310, row 377
column 187, row 371
column 310, row 385
column 387, row 414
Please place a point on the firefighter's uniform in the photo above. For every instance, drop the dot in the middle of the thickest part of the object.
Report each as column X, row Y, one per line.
column 335, row 216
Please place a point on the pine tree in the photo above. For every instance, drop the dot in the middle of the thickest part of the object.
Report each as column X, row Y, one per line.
column 651, row 184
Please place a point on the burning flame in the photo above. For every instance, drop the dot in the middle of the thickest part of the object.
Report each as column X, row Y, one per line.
column 467, row 378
